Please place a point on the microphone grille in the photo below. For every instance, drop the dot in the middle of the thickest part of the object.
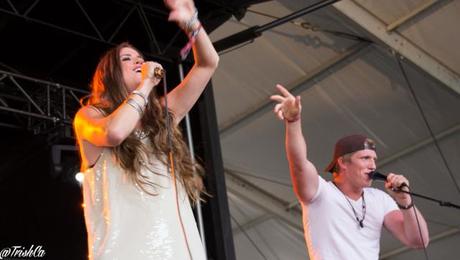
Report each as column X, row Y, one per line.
column 375, row 175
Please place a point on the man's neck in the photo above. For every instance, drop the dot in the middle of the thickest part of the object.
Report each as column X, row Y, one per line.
column 349, row 190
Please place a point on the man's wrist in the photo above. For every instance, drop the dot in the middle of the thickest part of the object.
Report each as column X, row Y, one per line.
column 292, row 120
column 406, row 206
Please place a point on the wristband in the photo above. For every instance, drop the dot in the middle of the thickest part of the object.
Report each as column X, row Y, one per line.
column 405, row 207
column 295, row 119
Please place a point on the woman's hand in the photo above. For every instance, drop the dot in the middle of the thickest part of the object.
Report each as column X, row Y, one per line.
column 148, row 72
column 182, row 12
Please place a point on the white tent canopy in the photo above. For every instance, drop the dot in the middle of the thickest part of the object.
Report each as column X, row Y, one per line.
column 347, row 86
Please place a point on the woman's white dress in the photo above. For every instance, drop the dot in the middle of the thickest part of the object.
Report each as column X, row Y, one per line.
column 123, row 222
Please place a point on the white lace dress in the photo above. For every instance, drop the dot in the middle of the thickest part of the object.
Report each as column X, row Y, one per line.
column 123, row 222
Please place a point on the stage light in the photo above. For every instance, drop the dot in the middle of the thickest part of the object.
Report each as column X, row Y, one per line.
column 79, row 177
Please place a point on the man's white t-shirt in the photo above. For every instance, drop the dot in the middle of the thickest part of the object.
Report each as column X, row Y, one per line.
column 331, row 229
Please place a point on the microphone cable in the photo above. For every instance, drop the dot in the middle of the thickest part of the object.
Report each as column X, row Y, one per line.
column 416, row 219
column 425, row 120
column 430, row 130
column 375, row 175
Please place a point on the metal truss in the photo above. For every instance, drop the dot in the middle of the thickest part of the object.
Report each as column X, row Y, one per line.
column 42, row 106
column 37, row 105
column 297, row 87
column 263, row 200
column 400, row 43
column 133, row 7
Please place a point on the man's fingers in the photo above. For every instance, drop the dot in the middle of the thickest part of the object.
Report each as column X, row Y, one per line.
column 277, row 108
column 280, row 115
column 297, row 101
column 396, row 181
column 277, row 98
column 287, row 101
column 283, row 90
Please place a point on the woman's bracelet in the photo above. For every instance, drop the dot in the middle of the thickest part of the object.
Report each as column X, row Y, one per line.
column 140, row 94
column 191, row 33
column 133, row 103
column 191, row 22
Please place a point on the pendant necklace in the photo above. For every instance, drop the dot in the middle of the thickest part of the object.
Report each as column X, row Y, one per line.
column 360, row 221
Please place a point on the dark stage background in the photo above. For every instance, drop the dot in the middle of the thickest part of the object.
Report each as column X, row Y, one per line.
column 49, row 51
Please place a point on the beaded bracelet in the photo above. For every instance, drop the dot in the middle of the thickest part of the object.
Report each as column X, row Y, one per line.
column 191, row 33
column 191, row 22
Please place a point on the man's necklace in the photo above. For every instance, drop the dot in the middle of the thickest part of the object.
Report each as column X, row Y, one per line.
column 360, row 221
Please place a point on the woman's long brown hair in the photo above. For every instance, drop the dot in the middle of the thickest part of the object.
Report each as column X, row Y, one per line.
column 108, row 92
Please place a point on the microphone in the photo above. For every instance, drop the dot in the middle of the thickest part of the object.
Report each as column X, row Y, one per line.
column 375, row 175
column 158, row 72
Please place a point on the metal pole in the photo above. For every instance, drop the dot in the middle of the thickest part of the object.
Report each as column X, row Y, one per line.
column 295, row 15
column 256, row 31
column 188, row 129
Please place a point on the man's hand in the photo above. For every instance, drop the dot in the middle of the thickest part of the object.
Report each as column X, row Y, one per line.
column 288, row 107
column 393, row 184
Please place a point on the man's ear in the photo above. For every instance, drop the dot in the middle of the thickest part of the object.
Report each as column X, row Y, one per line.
column 342, row 164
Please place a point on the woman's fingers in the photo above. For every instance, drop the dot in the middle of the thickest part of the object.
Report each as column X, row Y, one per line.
column 148, row 69
column 181, row 10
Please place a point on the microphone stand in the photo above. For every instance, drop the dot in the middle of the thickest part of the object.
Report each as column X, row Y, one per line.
column 440, row 202
column 375, row 175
